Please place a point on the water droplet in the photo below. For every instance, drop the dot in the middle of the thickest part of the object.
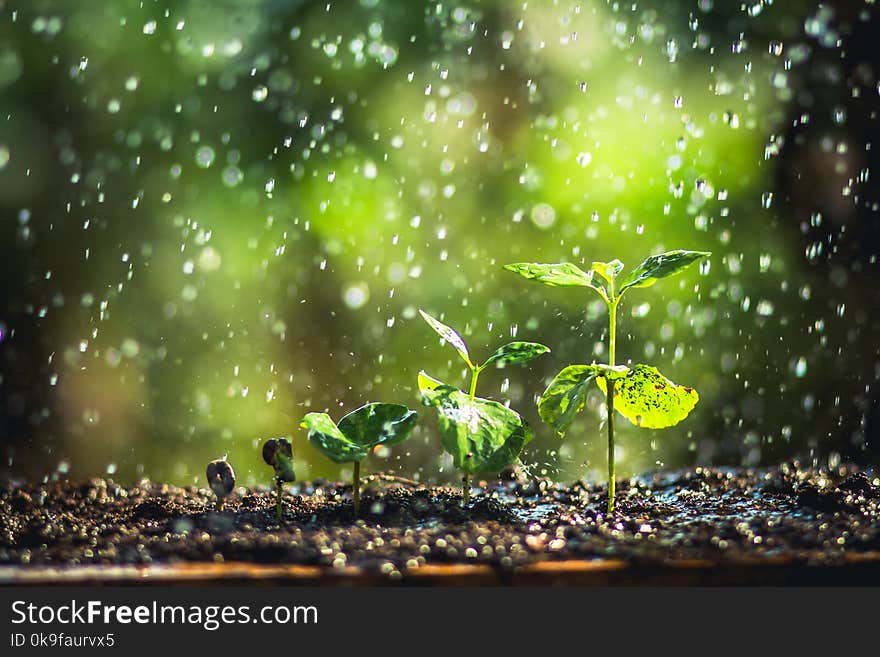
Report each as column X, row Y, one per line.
column 356, row 295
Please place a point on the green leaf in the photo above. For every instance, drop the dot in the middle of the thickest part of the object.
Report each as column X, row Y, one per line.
column 560, row 274
column 650, row 400
column 661, row 266
column 516, row 352
column 480, row 434
column 608, row 270
column 427, row 382
column 335, row 445
column 565, row 396
column 450, row 335
column 378, row 424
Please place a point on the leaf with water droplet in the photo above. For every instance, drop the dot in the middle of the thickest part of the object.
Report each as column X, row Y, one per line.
column 516, row 352
column 480, row 434
column 566, row 395
column 359, row 431
column 660, row 266
column 608, row 270
column 450, row 335
column 326, row 436
column 379, row 424
column 560, row 274
column 648, row 399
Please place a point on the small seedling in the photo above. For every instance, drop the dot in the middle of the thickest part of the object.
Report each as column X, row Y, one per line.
column 640, row 393
column 480, row 434
column 221, row 479
column 278, row 453
column 357, row 434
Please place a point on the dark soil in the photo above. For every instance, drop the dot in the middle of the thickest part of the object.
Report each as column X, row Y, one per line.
column 815, row 517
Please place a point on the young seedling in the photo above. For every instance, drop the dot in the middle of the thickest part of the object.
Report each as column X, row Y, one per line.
column 278, row 453
column 480, row 434
column 640, row 393
column 357, row 434
column 221, row 479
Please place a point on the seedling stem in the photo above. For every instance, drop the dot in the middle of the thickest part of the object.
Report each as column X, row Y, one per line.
column 356, row 488
column 609, row 399
column 278, row 491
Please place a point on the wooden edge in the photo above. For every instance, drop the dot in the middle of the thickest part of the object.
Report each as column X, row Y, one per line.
column 849, row 569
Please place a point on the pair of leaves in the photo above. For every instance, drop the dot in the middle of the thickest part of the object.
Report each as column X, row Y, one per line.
column 480, row 434
column 641, row 394
column 509, row 354
column 646, row 274
column 360, row 431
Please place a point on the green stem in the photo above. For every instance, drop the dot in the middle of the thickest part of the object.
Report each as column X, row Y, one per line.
column 475, row 374
column 278, row 491
column 356, row 488
column 609, row 400
column 466, row 478
column 611, row 482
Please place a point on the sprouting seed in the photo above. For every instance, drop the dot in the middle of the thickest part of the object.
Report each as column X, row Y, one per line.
column 221, row 479
column 278, row 453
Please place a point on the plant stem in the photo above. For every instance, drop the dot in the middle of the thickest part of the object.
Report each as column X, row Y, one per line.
column 466, row 478
column 278, row 508
column 609, row 400
column 475, row 374
column 221, row 503
column 356, row 488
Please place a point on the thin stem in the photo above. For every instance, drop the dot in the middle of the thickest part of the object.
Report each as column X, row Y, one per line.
column 221, row 504
column 611, row 481
column 612, row 341
column 278, row 508
column 466, row 478
column 475, row 374
column 356, row 488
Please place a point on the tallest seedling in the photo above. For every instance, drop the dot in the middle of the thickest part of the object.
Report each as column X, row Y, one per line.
column 641, row 394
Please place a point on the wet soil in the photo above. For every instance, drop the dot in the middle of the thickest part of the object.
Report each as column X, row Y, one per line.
column 780, row 515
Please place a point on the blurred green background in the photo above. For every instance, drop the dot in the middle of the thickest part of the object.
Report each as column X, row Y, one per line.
column 219, row 216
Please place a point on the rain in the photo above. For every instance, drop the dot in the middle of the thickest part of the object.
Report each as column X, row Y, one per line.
column 217, row 222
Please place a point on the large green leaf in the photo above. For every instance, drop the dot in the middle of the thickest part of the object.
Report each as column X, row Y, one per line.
column 565, row 396
column 449, row 334
column 516, row 352
column 480, row 434
column 378, row 424
column 661, row 266
column 326, row 436
column 648, row 399
column 560, row 274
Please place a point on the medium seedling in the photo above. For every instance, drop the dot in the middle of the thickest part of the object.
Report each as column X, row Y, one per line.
column 221, row 479
column 480, row 434
column 640, row 393
column 357, row 434
column 278, row 453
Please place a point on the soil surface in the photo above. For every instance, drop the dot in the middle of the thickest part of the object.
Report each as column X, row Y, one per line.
column 812, row 517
